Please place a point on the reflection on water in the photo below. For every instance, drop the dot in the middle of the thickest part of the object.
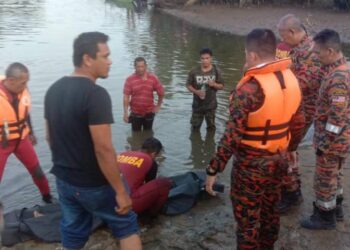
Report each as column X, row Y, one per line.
column 40, row 34
column 202, row 150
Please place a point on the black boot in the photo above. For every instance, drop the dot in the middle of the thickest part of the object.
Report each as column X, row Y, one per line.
column 339, row 215
column 288, row 200
column 320, row 219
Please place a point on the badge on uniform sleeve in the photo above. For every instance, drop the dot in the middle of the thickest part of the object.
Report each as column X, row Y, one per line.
column 339, row 100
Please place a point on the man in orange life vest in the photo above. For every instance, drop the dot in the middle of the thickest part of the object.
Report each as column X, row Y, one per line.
column 139, row 168
column 16, row 133
column 265, row 118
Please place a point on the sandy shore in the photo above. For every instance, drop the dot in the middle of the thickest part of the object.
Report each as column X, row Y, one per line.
column 210, row 224
column 242, row 20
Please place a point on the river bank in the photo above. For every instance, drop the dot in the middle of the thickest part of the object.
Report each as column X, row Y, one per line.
column 240, row 21
column 210, row 224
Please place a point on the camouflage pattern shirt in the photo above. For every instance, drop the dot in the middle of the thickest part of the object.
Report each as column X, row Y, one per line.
column 243, row 101
column 332, row 120
column 308, row 70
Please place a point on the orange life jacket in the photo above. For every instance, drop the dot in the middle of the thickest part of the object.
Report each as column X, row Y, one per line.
column 14, row 125
column 268, row 127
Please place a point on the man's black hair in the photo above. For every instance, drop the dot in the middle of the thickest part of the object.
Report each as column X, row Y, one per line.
column 261, row 41
column 152, row 145
column 87, row 44
column 15, row 69
column 329, row 39
column 139, row 59
column 206, row 51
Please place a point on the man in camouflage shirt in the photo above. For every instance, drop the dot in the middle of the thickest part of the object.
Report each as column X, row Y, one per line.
column 307, row 68
column 204, row 81
column 257, row 172
column 332, row 132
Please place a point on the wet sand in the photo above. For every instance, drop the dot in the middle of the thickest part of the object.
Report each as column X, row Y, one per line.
column 240, row 21
column 210, row 224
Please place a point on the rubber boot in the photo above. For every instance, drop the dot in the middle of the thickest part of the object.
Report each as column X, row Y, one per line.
column 289, row 200
column 339, row 215
column 320, row 219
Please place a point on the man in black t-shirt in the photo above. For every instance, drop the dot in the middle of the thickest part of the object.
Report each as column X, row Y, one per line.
column 203, row 82
column 79, row 116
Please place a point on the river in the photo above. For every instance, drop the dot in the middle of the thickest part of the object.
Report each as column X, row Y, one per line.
column 40, row 33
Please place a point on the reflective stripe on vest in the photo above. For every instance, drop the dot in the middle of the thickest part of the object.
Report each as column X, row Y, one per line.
column 12, row 125
column 268, row 127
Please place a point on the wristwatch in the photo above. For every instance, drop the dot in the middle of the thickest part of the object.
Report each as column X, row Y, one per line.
column 210, row 171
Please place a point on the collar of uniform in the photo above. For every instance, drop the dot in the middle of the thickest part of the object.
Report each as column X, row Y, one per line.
column 336, row 64
column 305, row 42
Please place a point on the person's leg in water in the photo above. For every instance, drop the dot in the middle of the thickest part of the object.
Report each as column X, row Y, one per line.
column 148, row 121
column 136, row 122
column 210, row 119
column 196, row 120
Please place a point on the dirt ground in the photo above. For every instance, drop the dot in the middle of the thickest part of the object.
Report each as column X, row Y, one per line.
column 210, row 225
column 241, row 21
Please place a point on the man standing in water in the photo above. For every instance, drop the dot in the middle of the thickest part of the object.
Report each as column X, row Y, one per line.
column 16, row 132
column 203, row 82
column 332, row 132
column 265, row 118
column 307, row 68
column 84, row 160
column 138, row 95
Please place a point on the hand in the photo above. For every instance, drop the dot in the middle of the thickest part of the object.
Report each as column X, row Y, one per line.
column 124, row 203
column 201, row 94
column 33, row 140
column 156, row 109
column 126, row 118
column 211, row 83
column 209, row 183
column 293, row 161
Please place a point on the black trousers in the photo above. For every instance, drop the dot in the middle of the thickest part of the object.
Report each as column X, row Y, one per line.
column 139, row 122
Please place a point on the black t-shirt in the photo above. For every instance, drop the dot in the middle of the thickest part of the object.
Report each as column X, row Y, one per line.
column 199, row 80
column 71, row 105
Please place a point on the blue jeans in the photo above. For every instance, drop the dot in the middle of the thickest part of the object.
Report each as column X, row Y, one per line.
column 80, row 204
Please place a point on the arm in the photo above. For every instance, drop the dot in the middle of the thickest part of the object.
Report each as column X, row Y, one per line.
column 160, row 92
column 297, row 126
column 152, row 173
column 218, row 84
column 159, row 103
column 106, row 157
column 338, row 99
column 32, row 136
column 47, row 132
column 189, row 85
column 198, row 92
column 126, row 100
column 245, row 100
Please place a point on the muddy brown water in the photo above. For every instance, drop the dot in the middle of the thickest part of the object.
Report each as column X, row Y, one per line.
column 40, row 34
